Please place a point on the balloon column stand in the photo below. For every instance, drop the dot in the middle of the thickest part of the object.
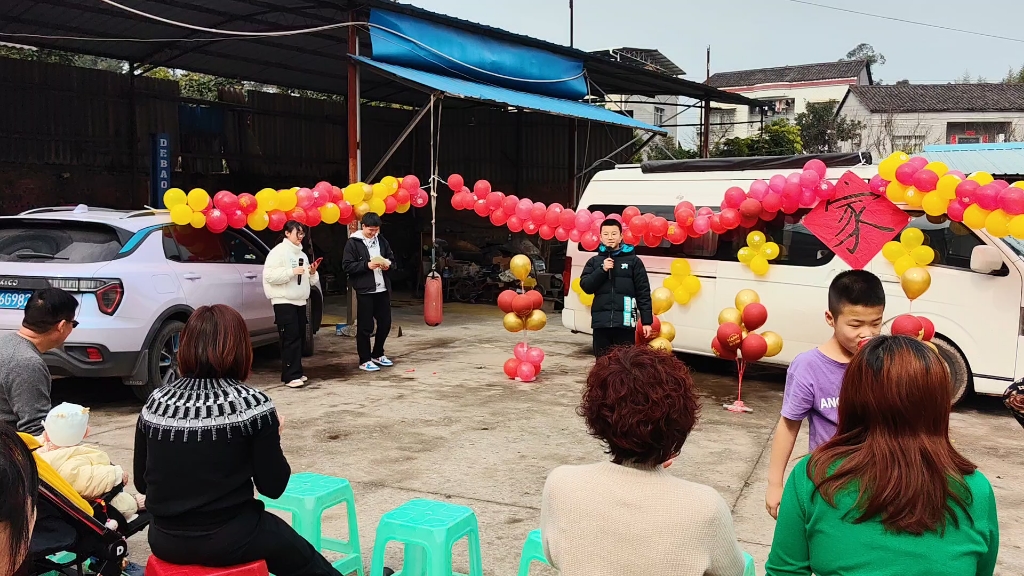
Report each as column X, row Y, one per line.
column 736, row 339
column 738, row 405
column 523, row 313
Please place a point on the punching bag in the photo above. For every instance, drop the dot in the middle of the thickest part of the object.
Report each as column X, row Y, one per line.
column 433, row 302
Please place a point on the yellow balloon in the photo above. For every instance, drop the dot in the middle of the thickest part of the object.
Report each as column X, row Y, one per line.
column 728, row 315
column 537, row 320
column 198, row 199
column 681, row 267
column 380, row 191
column 1016, row 227
column 913, row 197
column 756, row 239
column 939, row 168
column 746, row 254
column 672, row 282
column 286, row 200
column 391, row 183
column 1018, row 184
column 353, row 193
column 981, row 178
column 361, row 209
column 403, row 208
column 330, row 213
column 887, row 169
column 900, row 156
column 915, row 282
column 692, row 285
column 266, row 199
column 198, row 220
column 759, row 265
column 744, row 297
column 998, row 223
column 681, row 296
column 661, row 345
column 668, row 331
column 935, row 204
column 377, row 206
column 923, row 255
column 529, row 283
column 175, row 197
column 181, row 214
column 513, row 323
column 911, row 238
column 575, row 286
column 906, row 262
column 947, row 186
column 975, row 217
column 893, row 250
column 774, row 343
column 896, row 192
column 770, row 251
column 587, row 299
column 258, row 220
column 520, row 266
column 661, row 300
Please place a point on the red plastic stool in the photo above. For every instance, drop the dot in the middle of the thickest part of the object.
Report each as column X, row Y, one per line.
column 157, row 567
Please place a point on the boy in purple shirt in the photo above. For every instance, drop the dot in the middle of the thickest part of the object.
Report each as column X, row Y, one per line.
column 856, row 303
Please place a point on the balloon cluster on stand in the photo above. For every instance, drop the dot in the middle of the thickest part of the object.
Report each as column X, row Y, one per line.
column 271, row 208
column 909, row 257
column 736, row 339
column 681, row 282
column 917, row 327
column 758, row 252
column 523, row 312
column 662, row 335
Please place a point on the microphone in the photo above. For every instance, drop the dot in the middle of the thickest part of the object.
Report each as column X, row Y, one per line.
column 302, row 262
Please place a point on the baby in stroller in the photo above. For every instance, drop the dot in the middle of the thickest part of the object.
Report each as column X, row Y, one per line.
column 86, row 468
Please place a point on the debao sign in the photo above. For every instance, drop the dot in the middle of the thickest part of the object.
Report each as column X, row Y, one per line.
column 161, row 169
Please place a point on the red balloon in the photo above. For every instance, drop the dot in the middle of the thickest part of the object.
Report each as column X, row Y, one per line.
column 772, row 202
column 524, row 209
column 929, row 328
column 629, row 213
column 754, row 316
column 522, row 304
column 567, row 219
column 658, row 226
column 766, row 216
column 652, row 240
column 530, row 227
column 750, row 207
column 481, row 209
column 495, row 200
column 527, row 372
column 748, row 221
column 512, row 368
column 729, row 218
column 538, row 212
column 313, row 217
column 790, row 205
column 390, row 204
column 297, row 214
column 247, row 203
column 809, row 179
column 236, row 219
column 956, row 210
column 536, row 298
column 505, row 300
column 420, row 199
column 410, row 183
column 304, row 198
column 401, row 197
column 216, row 220
column 535, row 356
column 730, row 334
column 826, row 190
column 277, row 220
column 514, row 223
column 734, row 197
column 816, row 165
column 808, row 197
column 721, row 350
column 987, row 196
column 337, row 195
column 754, row 347
column 589, row 241
column 638, row 225
column 676, row 234
column 499, row 218
column 457, row 201
column 508, row 205
column 965, row 191
column 583, row 220
column 926, row 180
column 321, row 196
column 628, row 237
column 716, row 225
column 225, row 201
column 554, row 216
column 684, row 216
column 791, row 190
column 906, row 172
column 546, row 232
column 482, row 188
column 907, row 325
column 561, row 234
column 455, row 182
column 344, row 209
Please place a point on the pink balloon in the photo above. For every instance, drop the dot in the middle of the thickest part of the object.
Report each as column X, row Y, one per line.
column 527, row 372
column 906, row 172
column 523, row 209
column 1001, row 184
column 510, row 204
column 825, row 190
column 403, row 196
column 705, row 211
column 236, row 219
column 966, row 190
column 758, row 190
column 546, row 232
column 987, row 197
column 511, row 367
column 817, row 166
column 225, row 201
column 790, row 205
column 495, row 200
column 520, row 351
column 538, row 212
column 918, row 161
column 729, row 218
column 808, row 198
column 535, row 356
column 514, row 223
column 561, row 234
column 554, row 215
column 1011, row 200
column 809, row 179
column 702, row 224
column 499, row 217
column 583, row 220
column 876, row 184
column 777, row 183
column 589, row 241
column 598, row 215
column 345, row 208
column 482, row 188
column 456, row 182
column 567, row 219
column 926, row 180
column 772, row 202
column 956, row 210
column 958, row 174
column 575, row 235
column 321, row 198
column 411, row 183
column 733, row 197
column 304, row 198
column 792, row 190
column 716, row 226
column 595, row 226
column 794, row 177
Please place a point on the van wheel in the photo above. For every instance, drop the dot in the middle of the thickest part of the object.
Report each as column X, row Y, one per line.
column 163, row 359
column 959, row 374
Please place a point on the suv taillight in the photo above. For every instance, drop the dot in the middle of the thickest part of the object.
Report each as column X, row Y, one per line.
column 567, row 275
column 109, row 292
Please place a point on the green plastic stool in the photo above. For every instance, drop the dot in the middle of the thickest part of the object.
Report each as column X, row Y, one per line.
column 533, row 551
column 307, row 497
column 429, row 529
column 748, row 569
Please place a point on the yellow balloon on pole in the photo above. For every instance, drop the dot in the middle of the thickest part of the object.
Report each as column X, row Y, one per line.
column 668, row 331
column 537, row 320
column 198, row 220
column 175, row 197
column 181, row 214
column 774, row 342
column 661, row 300
column 692, row 285
column 513, row 323
column 923, row 255
column 680, row 267
column 745, row 255
column 915, row 282
column 520, row 266
column 770, row 250
column 198, row 199
column 672, row 282
column 730, row 315
column 904, row 263
column 893, row 250
column 744, row 297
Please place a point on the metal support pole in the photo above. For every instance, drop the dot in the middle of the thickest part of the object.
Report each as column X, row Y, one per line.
column 133, row 136
column 354, row 153
column 401, row 137
column 706, row 147
column 573, row 161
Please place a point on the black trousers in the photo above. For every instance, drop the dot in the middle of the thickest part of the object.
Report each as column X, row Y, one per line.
column 607, row 338
column 249, row 537
column 291, row 326
column 372, row 308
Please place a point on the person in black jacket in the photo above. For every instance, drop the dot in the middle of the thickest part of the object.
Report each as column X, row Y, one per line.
column 618, row 280
column 367, row 258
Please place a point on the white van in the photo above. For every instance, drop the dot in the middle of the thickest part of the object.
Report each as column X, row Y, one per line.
column 974, row 299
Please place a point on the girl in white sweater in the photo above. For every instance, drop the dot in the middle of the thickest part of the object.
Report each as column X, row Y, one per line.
column 287, row 276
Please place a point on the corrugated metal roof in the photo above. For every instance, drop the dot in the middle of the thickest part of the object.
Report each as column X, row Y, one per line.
column 802, row 73
column 996, row 159
column 494, row 95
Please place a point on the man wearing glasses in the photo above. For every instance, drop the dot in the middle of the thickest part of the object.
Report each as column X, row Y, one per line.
column 24, row 377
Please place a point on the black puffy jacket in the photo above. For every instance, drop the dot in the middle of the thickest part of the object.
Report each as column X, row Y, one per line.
column 620, row 294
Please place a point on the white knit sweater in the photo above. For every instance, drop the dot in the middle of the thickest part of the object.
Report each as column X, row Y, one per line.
column 605, row 519
column 279, row 281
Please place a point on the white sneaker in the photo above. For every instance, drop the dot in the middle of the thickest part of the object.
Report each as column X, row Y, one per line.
column 303, row 378
column 383, row 361
column 296, row 383
column 369, row 367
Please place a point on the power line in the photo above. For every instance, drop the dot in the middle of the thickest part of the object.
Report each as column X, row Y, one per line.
column 905, row 21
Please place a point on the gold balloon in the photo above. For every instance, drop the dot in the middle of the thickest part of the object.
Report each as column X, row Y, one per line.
column 537, row 320
column 744, row 297
column 361, row 209
column 520, row 266
column 774, row 343
column 513, row 323
column 915, row 282
column 730, row 315
column 661, row 345
column 932, row 346
column 668, row 331
column 661, row 300
column 367, row 192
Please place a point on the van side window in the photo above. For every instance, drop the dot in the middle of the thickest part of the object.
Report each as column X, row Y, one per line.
column 798, row 246
column 952, row 241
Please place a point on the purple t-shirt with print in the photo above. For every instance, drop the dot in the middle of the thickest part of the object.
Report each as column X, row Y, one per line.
column 812, row 392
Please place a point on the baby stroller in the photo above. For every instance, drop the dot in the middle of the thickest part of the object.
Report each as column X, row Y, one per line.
column 71, row 532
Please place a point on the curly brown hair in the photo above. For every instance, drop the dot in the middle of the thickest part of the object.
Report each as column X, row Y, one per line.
column 641, row 403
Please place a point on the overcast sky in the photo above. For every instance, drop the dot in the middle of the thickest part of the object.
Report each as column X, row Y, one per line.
column 763, row 33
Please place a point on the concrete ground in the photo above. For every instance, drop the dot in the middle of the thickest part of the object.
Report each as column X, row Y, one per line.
column 446, row 424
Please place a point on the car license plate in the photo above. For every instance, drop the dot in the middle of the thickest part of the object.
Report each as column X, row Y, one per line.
column 14, row 299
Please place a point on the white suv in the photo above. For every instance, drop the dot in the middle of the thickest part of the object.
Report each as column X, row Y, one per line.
column 137, row 278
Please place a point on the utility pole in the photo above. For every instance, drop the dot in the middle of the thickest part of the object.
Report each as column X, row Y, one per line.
column 572, row 25
column 706, row 140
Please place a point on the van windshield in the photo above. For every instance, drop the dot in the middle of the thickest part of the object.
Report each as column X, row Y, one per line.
column 1016, row 245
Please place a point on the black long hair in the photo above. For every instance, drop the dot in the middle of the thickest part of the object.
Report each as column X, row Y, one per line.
column 19, row 489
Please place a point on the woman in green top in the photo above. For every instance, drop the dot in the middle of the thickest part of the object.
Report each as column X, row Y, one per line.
column 888, row 495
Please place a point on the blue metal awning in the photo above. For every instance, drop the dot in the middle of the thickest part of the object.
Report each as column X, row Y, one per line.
column 486, row 93
column 1005, row 158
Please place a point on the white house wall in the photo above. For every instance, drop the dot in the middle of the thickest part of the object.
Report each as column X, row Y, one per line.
column 644, row 112
column 801, row 95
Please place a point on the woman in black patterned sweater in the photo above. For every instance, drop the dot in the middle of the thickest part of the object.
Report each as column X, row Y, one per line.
column 202, row 444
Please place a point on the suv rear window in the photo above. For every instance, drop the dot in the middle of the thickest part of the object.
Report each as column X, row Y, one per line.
column 58, row 241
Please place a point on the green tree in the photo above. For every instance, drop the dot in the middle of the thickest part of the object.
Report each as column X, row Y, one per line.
column 1014, row 76
column 823, row 130
column 779, row 138
column 865, row 51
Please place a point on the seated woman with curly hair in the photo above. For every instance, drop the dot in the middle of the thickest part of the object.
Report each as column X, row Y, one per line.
column 631, row 516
